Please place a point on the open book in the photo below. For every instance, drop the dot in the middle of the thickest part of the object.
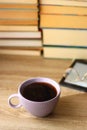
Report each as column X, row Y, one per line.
column 76, row 76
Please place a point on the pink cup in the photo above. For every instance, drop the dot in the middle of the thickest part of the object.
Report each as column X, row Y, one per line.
column 39, row 109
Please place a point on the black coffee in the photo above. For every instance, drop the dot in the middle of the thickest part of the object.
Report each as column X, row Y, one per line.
column 39, row 92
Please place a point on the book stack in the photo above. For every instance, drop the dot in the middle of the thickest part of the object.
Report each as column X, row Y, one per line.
column 19, row 32
column 64, row 27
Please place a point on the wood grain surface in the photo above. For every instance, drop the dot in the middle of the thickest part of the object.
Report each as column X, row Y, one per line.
column 70, row 112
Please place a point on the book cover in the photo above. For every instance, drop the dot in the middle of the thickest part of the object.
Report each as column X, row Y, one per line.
column 76, row 75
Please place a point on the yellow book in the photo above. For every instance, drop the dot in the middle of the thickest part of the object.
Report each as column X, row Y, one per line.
column 65, row 52
column 52, row 9
column 63, row 21
column 20, row 1
column 19, row 22
column 20, row 52
column 18, row 14
column 28, row 51
column 72, row 37
column 18, row 28
column 18, row 6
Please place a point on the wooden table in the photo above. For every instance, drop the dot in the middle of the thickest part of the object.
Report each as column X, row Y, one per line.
column 71, row 111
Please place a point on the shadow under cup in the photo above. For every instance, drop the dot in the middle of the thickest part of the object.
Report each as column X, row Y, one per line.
column 39, row 96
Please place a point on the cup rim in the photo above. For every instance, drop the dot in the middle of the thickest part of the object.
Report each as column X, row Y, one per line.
column 31, row 80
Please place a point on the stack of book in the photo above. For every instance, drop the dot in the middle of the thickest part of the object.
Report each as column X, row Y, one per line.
column 19, row 32
column 64, row 27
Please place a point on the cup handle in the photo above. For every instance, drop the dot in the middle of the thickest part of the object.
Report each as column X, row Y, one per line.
column 10, row 102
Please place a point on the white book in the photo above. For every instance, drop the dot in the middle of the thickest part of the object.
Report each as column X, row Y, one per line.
column 20, row 43
column 65, row 2
column 70, row 37
column 20, row 34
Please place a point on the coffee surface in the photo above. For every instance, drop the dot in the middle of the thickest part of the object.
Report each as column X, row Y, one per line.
column 39, row 92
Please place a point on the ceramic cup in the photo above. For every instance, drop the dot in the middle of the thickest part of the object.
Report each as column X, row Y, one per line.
column 36, row 108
